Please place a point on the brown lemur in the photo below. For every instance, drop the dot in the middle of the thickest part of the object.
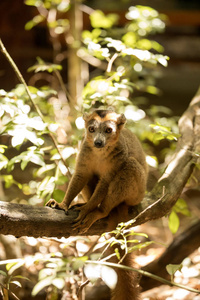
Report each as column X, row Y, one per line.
column 111, row 170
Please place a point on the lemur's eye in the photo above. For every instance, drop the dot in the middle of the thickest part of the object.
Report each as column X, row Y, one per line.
column 108, row 130
column 91, row 129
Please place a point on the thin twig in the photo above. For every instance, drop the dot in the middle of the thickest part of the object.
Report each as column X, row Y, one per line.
column 150, row 206
column 9, row 291
column 111, row 61
column 59, row 77
column 21, row 79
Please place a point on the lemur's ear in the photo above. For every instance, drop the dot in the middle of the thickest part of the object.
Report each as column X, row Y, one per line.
column 121, row 120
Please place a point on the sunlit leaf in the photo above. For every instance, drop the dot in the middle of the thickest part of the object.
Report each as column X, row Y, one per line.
column 42, row 66
column 18, row 138
column 59, row 283
column 11, row 267
column 58, row 195
column 181, row 207
column 92, row 272
column 45, row 168
column 35, row 21
column 45, row 272
column 100, row 20
column 171, row 268
column 109, row 276
column 9, row 181
column 173, row 222
column 140, row 246
column 3, row 161
column 21, row 277
column 152, row 90
column 130, row 39
column 3, row 273
column 164, row 132
column 17, row 283
column 46, row 187
column 79, row 262
column 42, row 284
column 163, row 60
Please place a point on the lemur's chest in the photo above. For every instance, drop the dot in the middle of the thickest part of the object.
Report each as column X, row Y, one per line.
column 101, row 165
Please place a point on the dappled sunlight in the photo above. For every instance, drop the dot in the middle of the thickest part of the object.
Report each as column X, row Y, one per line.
column 107, row 274
column 133, row 113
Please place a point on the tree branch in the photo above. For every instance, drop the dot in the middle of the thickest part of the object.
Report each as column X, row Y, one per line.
column 24, row 220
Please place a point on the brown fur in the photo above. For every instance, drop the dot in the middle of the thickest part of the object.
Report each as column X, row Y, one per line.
column 110, row 171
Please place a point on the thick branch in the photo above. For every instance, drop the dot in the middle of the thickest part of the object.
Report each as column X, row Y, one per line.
column 24, row 220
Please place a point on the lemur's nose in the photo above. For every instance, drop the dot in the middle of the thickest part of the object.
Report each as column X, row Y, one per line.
column 98, row 143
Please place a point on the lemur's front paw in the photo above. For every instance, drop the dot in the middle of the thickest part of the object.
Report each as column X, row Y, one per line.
column 54, row 204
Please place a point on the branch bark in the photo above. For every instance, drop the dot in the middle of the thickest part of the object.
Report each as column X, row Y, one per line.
column 23, row 220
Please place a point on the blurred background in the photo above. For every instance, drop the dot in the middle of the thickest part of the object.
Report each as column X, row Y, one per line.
column 181, row 41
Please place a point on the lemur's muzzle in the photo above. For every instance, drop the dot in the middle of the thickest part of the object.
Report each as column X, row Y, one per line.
column 99, row 143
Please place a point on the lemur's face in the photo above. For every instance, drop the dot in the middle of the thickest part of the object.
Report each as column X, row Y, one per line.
column 103, row 127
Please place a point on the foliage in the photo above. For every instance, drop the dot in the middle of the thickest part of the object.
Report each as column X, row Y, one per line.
column 180, row 207
column 123, row 236
column 128, row 53
column 171, row 269
column 9, row 279
column 45, row 6
column 29, row 135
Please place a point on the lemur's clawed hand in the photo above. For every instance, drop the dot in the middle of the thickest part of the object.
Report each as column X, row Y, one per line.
column 54, row 204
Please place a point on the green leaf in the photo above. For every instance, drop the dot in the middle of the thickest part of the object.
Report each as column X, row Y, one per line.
column 42, row 284
column 21, row 277
column 173, row 222
column 11, row 267
column 100, row 20
column 59, row 283
column 61, row 180
column 79, row 262
column 37, row 159
column 130, row 39
column 139, row 246
column 3, row 161
column 164, row 132
column 3, row 273
column 117, row 253
column 45, row 168
column 58, row 195
column 33, row 2
column 42, row 66
column 16, row 283
column 3, row 148
column 35, row 21
column 9, row 181
column 92, row 272
column 181, row 207
column 171, row 268
column 46, row 187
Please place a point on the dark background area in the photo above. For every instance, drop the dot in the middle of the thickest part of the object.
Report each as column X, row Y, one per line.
column 181, row 40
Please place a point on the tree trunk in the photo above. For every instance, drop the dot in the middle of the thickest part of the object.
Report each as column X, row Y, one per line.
column 73, row 39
